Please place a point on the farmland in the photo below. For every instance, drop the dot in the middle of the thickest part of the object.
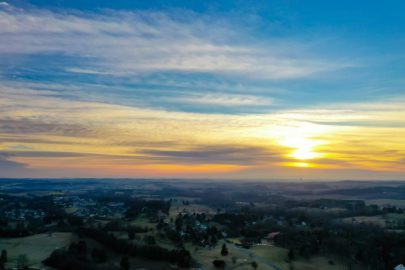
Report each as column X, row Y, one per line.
column 119, row 224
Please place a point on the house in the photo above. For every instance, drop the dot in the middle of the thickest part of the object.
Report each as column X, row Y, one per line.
column 399, row 267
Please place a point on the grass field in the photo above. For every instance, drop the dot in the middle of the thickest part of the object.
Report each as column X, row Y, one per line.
column 372, row 220
column 36, row 248
column 380, row 220
column 143, row 222
column 317, row 263
column 39, row 247
column 267, row 257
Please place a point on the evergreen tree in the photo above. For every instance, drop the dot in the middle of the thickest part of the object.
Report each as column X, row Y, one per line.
column 254, row 265
column 131, row 235
column 291, row 254
column 125, row 263
column 224, row 250
column 3, row 257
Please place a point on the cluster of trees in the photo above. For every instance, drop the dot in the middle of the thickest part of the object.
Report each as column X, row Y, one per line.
column 217, row 198
column 352, row 244
column 22, row 261
column 242, row 224
column 77, row 257
column 190, row 227
column 392, row 209
column 307, row 233
column 181, row 257
column 118, row 225
column 219, row 263
column 14, row 232
column 136, row 207
column 379, row 192
column 326, row 203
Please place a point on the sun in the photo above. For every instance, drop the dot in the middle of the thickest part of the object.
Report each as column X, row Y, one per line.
column 303, row 148
column 302, row 164
column 304, row 153
column 298, row 164
column 301, row 141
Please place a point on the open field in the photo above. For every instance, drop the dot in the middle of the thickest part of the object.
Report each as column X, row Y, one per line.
column 36, row 248
column 267, row 256
column 371, row 220
column 316, row 263
column 379, row 220
column 142, row 222
column 262, row 255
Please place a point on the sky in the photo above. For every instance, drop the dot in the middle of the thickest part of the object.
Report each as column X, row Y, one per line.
column 311, row 90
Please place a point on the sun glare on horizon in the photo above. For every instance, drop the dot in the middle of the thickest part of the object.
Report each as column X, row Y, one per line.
column 304, row 153
column 302, row 146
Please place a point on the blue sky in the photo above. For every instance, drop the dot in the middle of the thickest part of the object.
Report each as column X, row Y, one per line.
column 355, row 49
column 239, row 60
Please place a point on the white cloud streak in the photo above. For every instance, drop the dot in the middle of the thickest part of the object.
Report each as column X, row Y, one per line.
column 133, row 43
column 225, row 100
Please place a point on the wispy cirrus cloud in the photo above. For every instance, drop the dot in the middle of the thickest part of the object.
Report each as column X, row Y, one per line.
column 10, row 168
column 48, row 130
column 226, row 100
column 7, row 164
column 133, row 43
column 216, row 154
column 36, row 126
